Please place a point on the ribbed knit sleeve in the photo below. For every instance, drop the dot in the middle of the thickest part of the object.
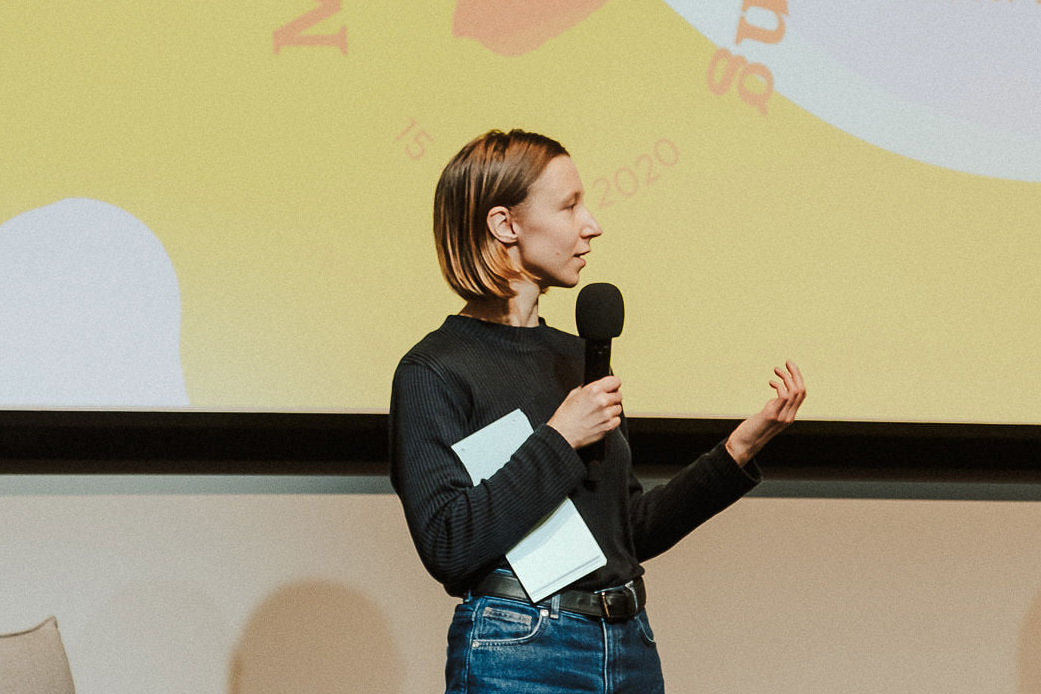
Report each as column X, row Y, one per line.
column 664, row 515
column 462, row 530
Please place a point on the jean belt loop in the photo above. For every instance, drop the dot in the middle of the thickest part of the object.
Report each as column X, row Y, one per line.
column 636, row 598
column 554, row 606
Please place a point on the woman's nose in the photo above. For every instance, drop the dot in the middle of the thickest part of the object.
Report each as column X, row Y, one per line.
column 591, row 228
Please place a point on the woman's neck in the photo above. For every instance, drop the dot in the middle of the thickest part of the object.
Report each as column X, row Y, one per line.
column 521, row 310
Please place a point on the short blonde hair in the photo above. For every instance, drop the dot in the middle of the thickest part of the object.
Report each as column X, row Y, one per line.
column 494, row 169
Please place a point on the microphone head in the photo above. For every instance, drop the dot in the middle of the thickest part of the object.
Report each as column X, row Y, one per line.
column 600, row 311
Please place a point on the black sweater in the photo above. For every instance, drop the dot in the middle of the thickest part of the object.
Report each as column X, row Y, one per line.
column 469, row 373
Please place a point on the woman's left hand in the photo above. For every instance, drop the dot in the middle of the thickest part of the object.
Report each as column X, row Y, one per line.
column 752, row 434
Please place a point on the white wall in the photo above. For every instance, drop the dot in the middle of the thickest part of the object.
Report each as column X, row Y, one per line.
column 244, row 593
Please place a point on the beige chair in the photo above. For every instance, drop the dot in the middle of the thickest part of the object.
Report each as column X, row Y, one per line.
column 34, row 662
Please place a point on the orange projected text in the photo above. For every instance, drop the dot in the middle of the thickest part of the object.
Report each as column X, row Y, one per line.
column 747, row 30
column 627, row 180
column 755, row 82
column 734, row 65
column 292, row 34
column 416, row 145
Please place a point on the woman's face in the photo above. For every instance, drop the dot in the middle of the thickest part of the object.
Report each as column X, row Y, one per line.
column 554, row 227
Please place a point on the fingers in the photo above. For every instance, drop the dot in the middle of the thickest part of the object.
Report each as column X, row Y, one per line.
column 607, row 384
column 606, row 393
column 606, row 397
column 791, row 391
column 793, row 368
column 796, row 387
column 590, row 412
column 755, row 432
column 793, row 379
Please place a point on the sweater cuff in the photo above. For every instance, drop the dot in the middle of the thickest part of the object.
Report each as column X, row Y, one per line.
column 558, row 448
column 748, row 476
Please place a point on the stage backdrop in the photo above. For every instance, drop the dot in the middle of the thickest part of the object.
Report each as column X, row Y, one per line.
column 220, row 206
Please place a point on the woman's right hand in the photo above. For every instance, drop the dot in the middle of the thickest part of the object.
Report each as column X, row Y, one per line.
column 590, row 412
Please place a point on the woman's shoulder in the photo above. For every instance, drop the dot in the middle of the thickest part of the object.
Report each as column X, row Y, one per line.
column 434, row 346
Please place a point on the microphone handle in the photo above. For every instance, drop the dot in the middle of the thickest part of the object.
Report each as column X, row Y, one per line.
column 598, row 359
column 598, row 365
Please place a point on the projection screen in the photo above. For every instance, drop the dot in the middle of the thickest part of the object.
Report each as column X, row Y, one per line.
column 226, row 206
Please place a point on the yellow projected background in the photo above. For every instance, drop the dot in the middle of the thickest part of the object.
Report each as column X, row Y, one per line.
column 284, row 153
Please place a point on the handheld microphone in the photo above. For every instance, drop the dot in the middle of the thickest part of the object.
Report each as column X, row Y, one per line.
column 599, row 315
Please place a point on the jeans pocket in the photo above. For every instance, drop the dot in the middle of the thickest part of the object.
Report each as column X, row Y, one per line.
column 502, row 622
column 645, row 627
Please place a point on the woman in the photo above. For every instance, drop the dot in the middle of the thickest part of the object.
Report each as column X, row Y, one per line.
column 510, row 222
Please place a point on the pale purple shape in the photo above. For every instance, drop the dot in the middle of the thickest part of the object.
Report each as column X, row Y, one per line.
column 90, row 311
column 975, row 60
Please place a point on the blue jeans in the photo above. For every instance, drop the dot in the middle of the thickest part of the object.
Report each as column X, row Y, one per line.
column 501, row 645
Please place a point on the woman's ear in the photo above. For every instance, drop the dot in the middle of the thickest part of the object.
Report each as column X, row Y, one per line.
column 500, row 224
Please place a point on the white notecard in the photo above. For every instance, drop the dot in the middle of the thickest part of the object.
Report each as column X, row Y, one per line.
column 560, row 548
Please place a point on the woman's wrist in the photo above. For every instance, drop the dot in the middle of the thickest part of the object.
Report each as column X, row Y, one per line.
column 740, row 453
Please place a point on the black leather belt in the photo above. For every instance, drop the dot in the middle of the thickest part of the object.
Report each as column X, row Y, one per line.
column 614, row 604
